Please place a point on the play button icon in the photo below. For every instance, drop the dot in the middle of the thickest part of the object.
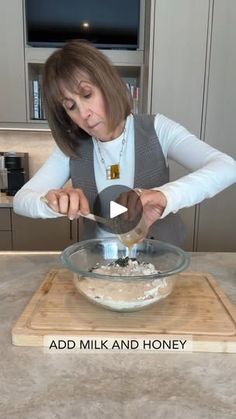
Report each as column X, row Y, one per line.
column 116, row 209
column 120, row 206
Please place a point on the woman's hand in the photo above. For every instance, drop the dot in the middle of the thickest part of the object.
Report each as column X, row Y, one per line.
column 145, row 203
column 145, row 206
column 154, row 204
column 68, row 201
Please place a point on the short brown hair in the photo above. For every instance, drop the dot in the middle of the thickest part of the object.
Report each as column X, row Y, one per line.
column 63, row 67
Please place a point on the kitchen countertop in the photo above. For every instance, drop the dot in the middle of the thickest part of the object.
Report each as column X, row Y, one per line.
column 35, row 384
column 6, row 201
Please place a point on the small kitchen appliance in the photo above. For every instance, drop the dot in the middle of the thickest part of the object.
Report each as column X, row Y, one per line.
column 14, row 171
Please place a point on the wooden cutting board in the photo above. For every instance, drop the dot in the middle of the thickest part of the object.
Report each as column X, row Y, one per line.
column 197, row 307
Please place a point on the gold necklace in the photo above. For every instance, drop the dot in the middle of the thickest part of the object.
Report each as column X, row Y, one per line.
column 113, row 170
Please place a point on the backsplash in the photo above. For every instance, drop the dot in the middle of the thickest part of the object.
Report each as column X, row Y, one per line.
column 39, row 145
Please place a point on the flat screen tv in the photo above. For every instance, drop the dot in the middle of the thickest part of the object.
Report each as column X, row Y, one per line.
column 106, row 23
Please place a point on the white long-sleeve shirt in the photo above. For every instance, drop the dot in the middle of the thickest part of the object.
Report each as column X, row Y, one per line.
column 211, row 170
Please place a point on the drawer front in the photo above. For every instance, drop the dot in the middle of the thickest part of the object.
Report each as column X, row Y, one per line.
column 5, row 240
column 37, row 234
column 5, row 219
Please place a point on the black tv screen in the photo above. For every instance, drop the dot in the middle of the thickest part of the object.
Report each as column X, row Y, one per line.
column 105, row 23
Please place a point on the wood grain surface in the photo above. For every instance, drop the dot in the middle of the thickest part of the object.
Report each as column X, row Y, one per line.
column 197, row 307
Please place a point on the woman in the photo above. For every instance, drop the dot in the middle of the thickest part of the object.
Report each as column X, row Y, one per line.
column 101, row 144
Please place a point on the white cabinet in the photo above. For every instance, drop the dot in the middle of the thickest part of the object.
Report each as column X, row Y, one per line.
column 178, row 72
column 193, row 83
column 217, row 217
column 12, row 65
column 179, row 60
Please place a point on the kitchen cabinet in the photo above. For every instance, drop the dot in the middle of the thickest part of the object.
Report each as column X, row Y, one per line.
column 12, row 65
column 217, row 216
column 193, row 83
column 5, row 229
column 53, row 234
column 178, row 73
column 21, row 67
column 23, row 233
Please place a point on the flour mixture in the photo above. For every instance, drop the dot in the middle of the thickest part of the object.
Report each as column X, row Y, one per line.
column 120, row 294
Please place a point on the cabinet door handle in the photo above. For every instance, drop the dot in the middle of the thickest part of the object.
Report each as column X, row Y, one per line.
column 71, row 230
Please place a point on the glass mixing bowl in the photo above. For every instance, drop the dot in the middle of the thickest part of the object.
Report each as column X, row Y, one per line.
column 109, row 274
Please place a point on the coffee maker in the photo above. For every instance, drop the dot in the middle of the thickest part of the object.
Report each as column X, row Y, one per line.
column 14, row 171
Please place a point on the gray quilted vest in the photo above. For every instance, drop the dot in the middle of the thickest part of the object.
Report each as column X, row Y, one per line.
column 150, row 171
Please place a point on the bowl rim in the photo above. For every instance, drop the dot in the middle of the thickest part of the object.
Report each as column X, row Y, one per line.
column 68, row 251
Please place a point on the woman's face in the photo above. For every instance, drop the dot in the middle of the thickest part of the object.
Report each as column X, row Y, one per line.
column 87, row 109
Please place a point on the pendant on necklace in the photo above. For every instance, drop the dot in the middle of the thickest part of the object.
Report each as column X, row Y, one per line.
column 113, row 172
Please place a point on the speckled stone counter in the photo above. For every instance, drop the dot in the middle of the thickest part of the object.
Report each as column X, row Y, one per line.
column 37, row 385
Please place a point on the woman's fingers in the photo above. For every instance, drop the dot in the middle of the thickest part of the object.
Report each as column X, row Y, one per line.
column 52, row 200
column 68, row 201
column 63, row 201
column 71, row 202
column 131, row 201
column 77, row 203
column 154, row 204
column 134, row 206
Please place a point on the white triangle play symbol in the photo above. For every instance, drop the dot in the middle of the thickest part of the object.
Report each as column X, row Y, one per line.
column 116, row 209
